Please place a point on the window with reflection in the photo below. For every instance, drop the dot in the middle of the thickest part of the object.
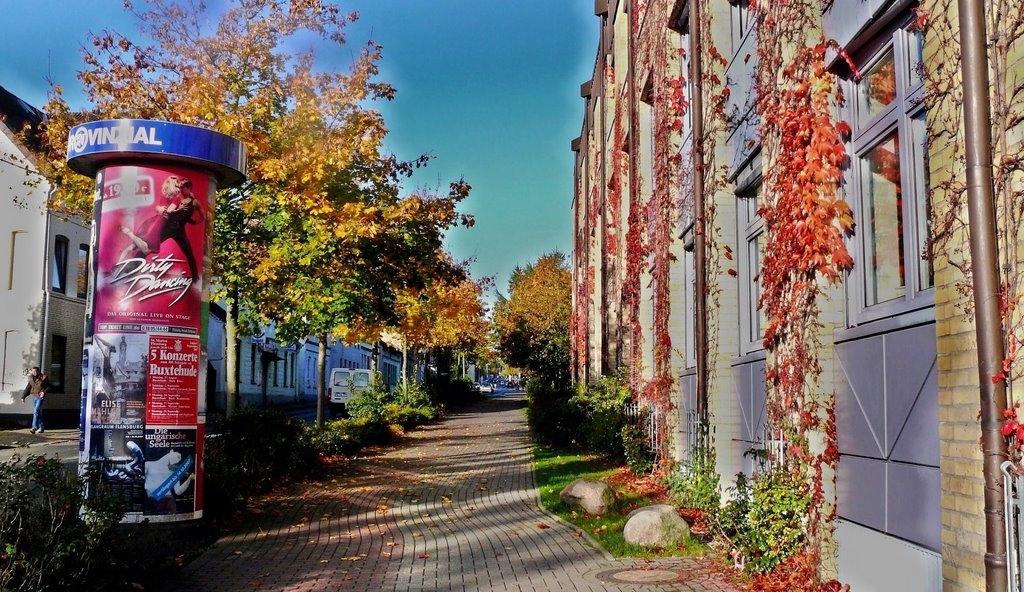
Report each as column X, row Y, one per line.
column 878, row 87
column 59, row 265
column 83, row 271
column 751, row 245
column 883, row 202
column 889, row 182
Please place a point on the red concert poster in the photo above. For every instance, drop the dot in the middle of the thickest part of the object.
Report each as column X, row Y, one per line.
column 173, row 380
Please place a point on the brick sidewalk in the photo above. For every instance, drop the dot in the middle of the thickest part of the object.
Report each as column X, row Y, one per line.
column 453, row 508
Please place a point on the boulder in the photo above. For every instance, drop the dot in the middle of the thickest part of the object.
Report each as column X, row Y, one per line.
column 656, row 526
column 594, row 497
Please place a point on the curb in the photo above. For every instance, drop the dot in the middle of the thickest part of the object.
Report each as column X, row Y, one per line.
column 555, row 517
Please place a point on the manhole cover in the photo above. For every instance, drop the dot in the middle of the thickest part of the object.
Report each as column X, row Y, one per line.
column 643, row 576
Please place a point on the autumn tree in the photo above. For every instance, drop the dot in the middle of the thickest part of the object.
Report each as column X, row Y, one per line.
column 532, row 322
column 449, row 314
column 314, row 146
column 341, row 271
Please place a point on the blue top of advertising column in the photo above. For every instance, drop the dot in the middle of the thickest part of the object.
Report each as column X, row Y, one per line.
column 93, row 145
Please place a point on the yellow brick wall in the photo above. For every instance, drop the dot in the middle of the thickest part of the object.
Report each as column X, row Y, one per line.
column 960, row 459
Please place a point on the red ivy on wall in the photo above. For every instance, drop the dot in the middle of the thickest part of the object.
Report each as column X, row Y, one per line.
column 805, row 222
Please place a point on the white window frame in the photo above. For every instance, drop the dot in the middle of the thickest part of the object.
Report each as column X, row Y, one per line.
column 750, row 255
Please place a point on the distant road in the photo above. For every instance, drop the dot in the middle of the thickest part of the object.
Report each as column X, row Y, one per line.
column 59, row 443
column 64, row 443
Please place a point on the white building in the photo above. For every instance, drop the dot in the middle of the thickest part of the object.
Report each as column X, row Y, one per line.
column 45, row 261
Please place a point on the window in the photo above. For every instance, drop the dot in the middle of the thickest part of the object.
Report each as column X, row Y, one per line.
column 751, row 247
column 646, row 139
column 689, row 301
column 682, row 26
column 286, row 356
column 740, row 21
column 276, row 374
column 59, row 270
column 252, row 364
column 83, row 271
column 11, row 264
column 58, row 362
column 888, row 180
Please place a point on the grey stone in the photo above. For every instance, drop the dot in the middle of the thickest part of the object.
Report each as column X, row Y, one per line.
column 593, row 496
column 656, row 526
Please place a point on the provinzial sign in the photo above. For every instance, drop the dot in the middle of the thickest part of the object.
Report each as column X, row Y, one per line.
column 92, row 145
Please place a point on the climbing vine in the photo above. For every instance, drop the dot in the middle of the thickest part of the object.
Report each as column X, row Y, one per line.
column 944, row 98
column 653, row 200
column 805, row 221
column 714, row 120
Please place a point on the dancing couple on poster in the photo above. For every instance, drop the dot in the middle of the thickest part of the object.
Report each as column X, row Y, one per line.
column 180, row 208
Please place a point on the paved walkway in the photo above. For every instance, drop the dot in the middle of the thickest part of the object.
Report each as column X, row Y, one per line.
column 453, row 508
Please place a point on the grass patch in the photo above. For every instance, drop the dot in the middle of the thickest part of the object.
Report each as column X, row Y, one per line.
column 557, row 468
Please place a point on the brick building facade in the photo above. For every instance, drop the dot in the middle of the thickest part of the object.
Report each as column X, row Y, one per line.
column 897, row 349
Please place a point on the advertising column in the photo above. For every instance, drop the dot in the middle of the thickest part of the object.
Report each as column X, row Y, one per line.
column 144, row 361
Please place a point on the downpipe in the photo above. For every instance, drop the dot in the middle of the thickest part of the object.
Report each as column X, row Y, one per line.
column 985, row 264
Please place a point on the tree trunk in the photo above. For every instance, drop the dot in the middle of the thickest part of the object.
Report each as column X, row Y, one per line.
column 321, row 390
column 405, row 369
column 231, row 356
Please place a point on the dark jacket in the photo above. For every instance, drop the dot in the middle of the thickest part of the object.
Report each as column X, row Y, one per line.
column 36, row 385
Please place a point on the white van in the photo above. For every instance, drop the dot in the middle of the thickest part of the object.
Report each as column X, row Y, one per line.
column 344, row 384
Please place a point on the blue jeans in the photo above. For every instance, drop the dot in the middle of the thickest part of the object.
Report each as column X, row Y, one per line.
column 37, row 413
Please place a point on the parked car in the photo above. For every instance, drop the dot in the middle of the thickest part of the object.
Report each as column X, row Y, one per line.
column 485, row 387
column 344, row 384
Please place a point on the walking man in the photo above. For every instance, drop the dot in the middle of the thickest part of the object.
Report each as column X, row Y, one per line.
column 37, row 388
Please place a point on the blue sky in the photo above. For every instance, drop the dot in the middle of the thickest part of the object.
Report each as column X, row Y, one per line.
column 491, row 88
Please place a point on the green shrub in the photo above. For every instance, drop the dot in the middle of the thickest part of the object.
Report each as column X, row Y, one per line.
column 380, row 405
column 636, row 446
column 46, row 543
column 602, row 409
column 734, row 516
column 348, row 436
column 455, row 393
column 417, row 395
column 370, row 403
column 250, row 452
column 778, row 509
column 697, row 484
column 408, row 417
column 553, row 418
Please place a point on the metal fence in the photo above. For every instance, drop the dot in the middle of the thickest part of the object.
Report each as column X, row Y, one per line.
column 693, row 431
column 775, row 447
column 1013, row 486
column 654, row 418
